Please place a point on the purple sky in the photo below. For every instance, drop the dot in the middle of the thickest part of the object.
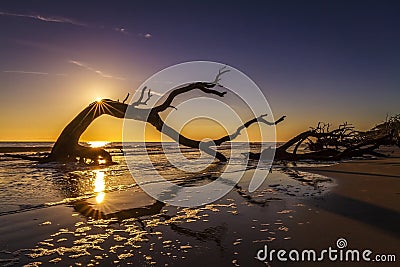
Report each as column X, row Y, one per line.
column 331, row 61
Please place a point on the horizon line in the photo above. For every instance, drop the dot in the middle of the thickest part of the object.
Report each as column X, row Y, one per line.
column 114, row 141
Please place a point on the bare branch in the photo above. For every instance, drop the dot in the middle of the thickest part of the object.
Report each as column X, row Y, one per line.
column 140, row 100
column 126, row 98
column 342, row 142
column 203, row 86
column 220, row 73
column 205, row 146
column 259, row 119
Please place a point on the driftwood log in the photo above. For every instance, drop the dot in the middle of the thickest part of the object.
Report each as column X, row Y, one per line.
column 68, row 149
column 321, row 142
column 344, row 142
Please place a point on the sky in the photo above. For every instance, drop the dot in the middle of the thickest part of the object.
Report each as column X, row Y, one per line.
column 330, row 61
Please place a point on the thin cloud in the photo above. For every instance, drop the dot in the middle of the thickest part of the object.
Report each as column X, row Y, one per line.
column 57, row 19
column 34, row 72
column 45, row 18
column 89, row 68
column 26, row 72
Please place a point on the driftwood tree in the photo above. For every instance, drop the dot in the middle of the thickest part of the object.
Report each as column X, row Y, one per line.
column 343, row 142
column 68, row 149
column 323, row 143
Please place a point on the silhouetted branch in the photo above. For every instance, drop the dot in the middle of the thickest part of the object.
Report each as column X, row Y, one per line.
column 140, row 100
column 233, row 136
column 203, row 86
column 324, row 143
column 160, row 125
column 340, row 143
column 126, row 98
column 220, row 73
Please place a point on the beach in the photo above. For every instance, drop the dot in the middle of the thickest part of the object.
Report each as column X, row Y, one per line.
column 307, row 206
column 199, row 133
column 363, row 208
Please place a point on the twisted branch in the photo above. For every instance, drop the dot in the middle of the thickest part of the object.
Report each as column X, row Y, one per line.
column 67, row 146
column 140, row 100
column 126, row 98
column 221, row 71
column 203, row 86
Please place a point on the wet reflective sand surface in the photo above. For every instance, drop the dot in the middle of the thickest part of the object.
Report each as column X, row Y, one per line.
column 122, row 225
column 91, row 216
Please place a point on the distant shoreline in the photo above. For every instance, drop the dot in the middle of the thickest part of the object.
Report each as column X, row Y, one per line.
column 24, row 149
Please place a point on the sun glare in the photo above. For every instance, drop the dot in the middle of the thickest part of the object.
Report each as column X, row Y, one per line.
column 97, row 143
column 98, row 99
column 100, row 197
column 99, row 186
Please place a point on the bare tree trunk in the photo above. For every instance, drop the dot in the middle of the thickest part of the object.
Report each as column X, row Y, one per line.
column 68, row 149
column 343, row 142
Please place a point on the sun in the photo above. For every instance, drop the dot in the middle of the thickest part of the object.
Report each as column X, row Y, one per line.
column 98, row 99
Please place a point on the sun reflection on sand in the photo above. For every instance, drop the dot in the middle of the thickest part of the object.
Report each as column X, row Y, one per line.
column 99, row 186
column 100, row 197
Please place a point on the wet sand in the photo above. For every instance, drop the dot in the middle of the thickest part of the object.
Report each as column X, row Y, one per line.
column 364, row 208
column 130, row 228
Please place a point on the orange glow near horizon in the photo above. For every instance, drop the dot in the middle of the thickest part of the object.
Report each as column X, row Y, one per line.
column 109, row 129
column 200, row 129
column 53, row 112
column 41, row 116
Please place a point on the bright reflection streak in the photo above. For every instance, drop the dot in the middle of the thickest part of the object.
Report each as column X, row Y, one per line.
column 99, row 186
column 100, row 197
column 97, row 143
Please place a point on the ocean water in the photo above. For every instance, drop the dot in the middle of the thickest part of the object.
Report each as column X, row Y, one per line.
column 26, row 185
